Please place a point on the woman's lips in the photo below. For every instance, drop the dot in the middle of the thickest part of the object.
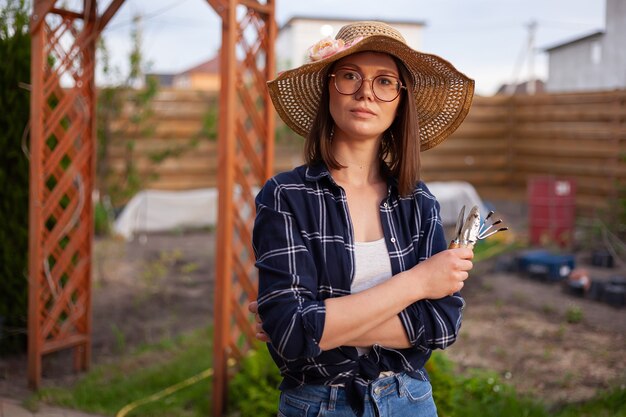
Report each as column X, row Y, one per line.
column 362, row 112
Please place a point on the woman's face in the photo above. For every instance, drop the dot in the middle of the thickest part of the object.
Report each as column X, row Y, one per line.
column 361, row 115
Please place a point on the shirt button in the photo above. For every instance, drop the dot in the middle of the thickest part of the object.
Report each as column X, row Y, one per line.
column 393, row 240
column 378, row 390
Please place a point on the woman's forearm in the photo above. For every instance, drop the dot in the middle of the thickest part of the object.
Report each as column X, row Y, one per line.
column 389, row 334
column 353, row 318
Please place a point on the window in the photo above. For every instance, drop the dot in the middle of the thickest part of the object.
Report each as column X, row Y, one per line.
column 596, row 52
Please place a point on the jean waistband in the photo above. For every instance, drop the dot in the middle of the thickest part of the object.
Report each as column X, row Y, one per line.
column 336, row 394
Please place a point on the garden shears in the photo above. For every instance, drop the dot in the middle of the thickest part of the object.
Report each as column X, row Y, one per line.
column 469, row 230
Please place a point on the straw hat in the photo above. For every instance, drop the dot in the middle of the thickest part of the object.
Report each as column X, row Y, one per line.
column 443, row 95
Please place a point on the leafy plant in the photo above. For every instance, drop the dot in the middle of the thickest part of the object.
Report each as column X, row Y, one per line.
column 102, row 219
column 111, row 101
column 15, row 105
column 574, row 315
column 253, row 391
column 478, row 393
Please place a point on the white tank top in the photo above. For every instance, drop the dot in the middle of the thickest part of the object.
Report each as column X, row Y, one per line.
column 372, row 267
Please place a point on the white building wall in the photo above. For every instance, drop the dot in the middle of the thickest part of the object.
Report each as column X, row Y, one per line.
column 595, row 63
column 615, row 43
column 577, row 67
column 294, row 40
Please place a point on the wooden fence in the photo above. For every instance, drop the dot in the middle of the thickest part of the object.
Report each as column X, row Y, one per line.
column 505, row 141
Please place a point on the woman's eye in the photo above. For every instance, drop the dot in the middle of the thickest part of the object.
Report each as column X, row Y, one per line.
column 386, row 81
column 349, row 75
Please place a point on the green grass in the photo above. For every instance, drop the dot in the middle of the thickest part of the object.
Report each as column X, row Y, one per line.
column 108, row 388
column 607, row 404
column 150, row 369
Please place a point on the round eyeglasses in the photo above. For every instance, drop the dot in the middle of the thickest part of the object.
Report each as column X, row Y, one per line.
column 384, row 87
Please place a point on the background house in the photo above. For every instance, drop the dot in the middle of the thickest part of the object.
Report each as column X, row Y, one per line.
column 293, row 40
column 596, row 61
column 299, row 33
column 204, row 76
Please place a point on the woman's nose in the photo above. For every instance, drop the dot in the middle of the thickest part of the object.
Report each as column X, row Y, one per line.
column 366, row 91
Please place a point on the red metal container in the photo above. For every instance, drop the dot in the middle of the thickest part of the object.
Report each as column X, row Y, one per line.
column 551, row 210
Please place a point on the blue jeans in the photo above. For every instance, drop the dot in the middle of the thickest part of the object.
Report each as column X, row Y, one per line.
column 396, row 395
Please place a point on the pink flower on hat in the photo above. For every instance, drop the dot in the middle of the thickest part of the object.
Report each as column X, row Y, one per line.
column 329, row 47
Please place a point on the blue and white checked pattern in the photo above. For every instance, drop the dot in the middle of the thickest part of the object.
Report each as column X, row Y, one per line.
column 304, row 245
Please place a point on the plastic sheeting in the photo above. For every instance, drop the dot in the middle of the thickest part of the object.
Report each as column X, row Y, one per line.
column 452, row 195
column 158, row 211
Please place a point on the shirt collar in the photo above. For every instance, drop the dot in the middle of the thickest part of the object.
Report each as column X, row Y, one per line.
column 318, row 170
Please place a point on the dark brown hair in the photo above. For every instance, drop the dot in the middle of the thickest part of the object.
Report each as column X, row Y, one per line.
column 400, row 145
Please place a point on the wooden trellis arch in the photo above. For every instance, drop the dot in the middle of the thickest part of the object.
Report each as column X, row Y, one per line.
column 62, row 171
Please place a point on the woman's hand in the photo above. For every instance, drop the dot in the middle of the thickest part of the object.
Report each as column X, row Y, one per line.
column 443, row 273
column 253, row 307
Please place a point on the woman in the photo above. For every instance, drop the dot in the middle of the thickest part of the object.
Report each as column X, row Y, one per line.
column 356, row 286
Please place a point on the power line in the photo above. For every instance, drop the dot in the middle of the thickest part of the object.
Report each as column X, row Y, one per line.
column 564, row 24
column 148, row 16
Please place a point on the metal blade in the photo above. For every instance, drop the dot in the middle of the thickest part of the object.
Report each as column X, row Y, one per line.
column 471, row 226
column 459, row 224
column 484, row 229
column 502, row 229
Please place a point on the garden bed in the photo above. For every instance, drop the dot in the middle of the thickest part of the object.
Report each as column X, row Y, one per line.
column 538, row 338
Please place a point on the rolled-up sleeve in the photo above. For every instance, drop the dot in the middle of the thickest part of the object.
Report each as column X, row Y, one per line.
column 292, row 316
column 432, row 324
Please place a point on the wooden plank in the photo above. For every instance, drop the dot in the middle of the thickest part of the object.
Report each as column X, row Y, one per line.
column 471, row 131
column 185, row 96
column 462, row 162
column 170, row 165
column 563, row 132
column 568, row 98
column 598, row 114
column 586, row 186
column 487, row 113
column 573, row 150
column 186, row 110
column 177, row 184
column 165, row 128
column 501, row 192
column 461, row 146
column 496, row 101
column 108, row 14
column 581, row 165
column 473, row 177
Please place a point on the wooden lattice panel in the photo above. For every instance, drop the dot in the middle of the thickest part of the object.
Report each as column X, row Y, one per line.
column 62, row 170
column 62, row 173
column 245, row 163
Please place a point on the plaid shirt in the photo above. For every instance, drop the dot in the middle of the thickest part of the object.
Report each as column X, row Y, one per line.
column 304, row 246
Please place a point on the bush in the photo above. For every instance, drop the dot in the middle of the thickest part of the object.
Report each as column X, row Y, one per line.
column 479, row 393
column 15, row 105
column 253, row 391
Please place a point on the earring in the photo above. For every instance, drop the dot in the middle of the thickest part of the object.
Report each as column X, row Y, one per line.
column 332, row 133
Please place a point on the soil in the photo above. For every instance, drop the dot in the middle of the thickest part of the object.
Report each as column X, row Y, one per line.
column 161, row 285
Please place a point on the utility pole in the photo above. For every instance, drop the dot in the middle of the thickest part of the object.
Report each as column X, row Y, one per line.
column 527, row 54
column 531, row 86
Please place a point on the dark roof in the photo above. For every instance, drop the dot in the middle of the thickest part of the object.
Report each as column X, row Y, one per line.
column 165, row 80
column 521, row 88
column 352, row 19
column 589, row 36
column 212, row 66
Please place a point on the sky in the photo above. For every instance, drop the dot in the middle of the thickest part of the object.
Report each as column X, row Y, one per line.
column 485, row 39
